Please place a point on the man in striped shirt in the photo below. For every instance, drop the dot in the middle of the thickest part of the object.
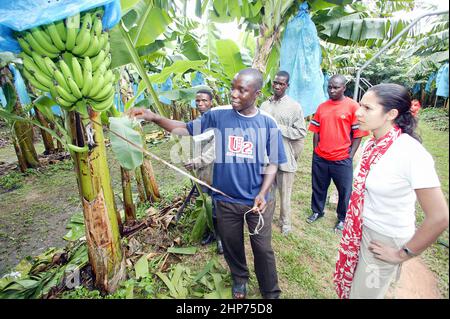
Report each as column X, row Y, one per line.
column 336, row 139
column 289, row 116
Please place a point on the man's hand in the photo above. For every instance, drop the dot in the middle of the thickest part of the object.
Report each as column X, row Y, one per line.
column 259, row 204
column 189, row 166
column 141, row 113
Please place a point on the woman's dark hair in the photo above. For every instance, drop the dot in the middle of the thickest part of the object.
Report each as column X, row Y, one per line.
column 394, row 96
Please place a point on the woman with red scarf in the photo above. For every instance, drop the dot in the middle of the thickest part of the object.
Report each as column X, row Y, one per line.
column 394, row 170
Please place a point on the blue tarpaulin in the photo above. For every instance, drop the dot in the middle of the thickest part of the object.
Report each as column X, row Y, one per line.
column 430, row 81
column 442, row 81
column 301, row 56
column 19, row 15
column 198, row 80
column 21, row 89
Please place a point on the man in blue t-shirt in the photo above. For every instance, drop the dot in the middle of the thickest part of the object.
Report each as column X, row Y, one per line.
column 249, row 148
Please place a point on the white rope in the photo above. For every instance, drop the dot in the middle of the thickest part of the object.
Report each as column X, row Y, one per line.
column 259, row 225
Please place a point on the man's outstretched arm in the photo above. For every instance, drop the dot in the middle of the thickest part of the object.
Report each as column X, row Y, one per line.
column 172, row 126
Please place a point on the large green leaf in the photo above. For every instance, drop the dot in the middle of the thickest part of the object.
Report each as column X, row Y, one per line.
column 178, row 67
column 151, row 24
column 184, row 94
column 190, row 48
column 230, row 57
column 127, row 5
column 44, row 105
column 119, row 52
column 128, row 155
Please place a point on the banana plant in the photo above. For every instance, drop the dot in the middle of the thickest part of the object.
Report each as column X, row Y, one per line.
column 21, row 130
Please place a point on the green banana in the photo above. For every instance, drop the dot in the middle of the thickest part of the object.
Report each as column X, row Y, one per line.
column 97, row 26
column 104, row 93
column 93, row 47
column 24, row 45
column 44, row 40
column 103, row 40
column 53, row 91
column 61, row 28
column 37, row 47
column 107, row 47
column 34, row 82
column 74, row 88
column 41, row 77
column 84, row 35
column 87, row 76
column 65, row 69
column 107, row 61
column 72, row 26
column 96, row 61
column 51, row 66
column 59, row 77
column 104, row 105
column 82, row 42
column 31, row 67
column 65, row 94
column 98, row 83
column 54, row 35
column 63, row 102
column 77, row 72
column 109, row 76
column 78, row 149
column 39, row 61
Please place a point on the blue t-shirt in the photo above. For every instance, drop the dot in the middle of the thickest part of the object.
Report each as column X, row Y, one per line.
column 244, row 146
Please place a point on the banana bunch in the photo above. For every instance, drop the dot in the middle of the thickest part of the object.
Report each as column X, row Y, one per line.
column 71, row 61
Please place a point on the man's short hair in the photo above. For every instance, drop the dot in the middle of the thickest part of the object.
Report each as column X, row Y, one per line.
column 283, row 74
column 342, row 79
column 258, row 80
column 207, row 92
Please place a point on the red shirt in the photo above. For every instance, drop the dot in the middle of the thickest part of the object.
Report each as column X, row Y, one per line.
column 336, row 123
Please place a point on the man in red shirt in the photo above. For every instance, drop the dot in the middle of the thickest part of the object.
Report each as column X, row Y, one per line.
column 336, row 139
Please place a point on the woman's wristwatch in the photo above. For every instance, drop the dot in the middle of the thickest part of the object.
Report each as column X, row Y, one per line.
column 406, row 252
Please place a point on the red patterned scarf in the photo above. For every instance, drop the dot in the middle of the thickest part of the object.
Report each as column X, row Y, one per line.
column 352, row 233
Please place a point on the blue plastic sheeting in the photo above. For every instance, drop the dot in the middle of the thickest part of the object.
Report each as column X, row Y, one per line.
column 19, row 15
column 301, row 56
column 21, row 89
column 430, row 81
column 416, row 88
column 442, row 81
column 198, row 80
column 326, row 78
column 140, row 97
column 2, row 98
column 118, row 104
column 166, row 86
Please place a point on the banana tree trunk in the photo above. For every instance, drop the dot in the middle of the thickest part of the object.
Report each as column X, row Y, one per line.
column 128, row 205
column 47, row 139
column 24, row 136
column 149, row 180
column 264, row 47
column 140, row 186
column 20, row 158
column 100, row 213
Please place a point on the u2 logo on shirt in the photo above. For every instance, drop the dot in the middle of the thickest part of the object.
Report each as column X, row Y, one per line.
column 237, row 145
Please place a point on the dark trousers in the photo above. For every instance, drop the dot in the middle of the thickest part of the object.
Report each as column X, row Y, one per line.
column 323, row 171
column 230, row 218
